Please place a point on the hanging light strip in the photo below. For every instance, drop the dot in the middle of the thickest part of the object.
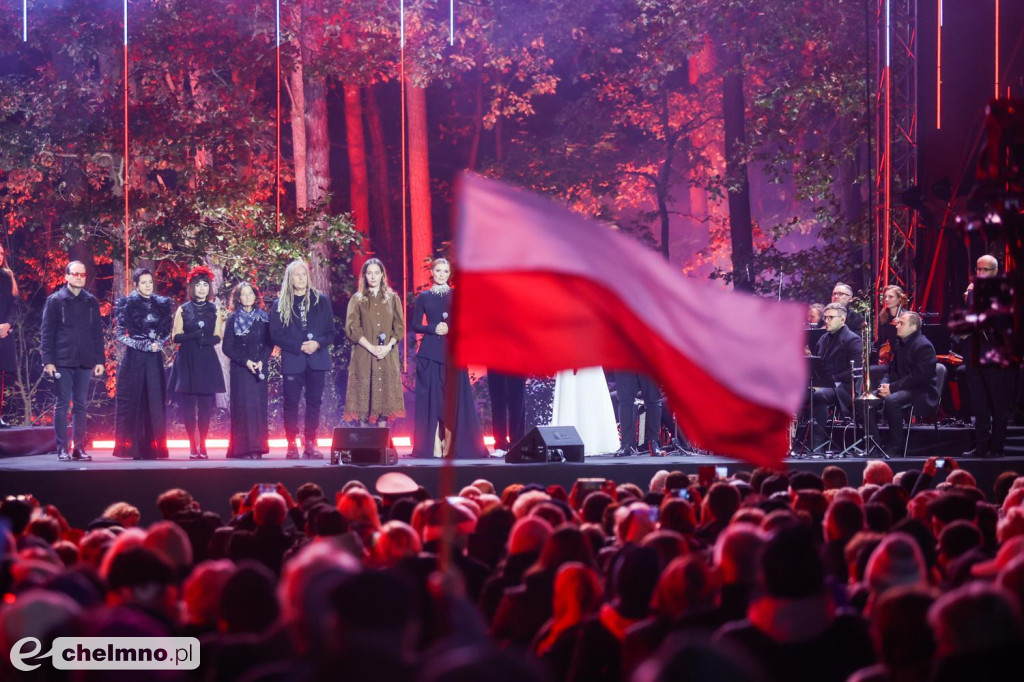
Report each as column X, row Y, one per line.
column 938, row 71
column 277, row 162
column 24, row 21
column 127, row 255
column 451, row 22
column 997, row 50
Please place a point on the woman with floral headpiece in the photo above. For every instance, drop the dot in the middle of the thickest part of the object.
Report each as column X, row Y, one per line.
column 196, row 374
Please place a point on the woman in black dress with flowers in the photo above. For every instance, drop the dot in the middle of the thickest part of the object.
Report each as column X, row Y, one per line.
column 8, row 307
column 196, row 374
column 143, row 327
column 247, row 344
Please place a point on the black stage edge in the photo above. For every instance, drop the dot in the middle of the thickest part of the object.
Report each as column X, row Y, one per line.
column 83, row 490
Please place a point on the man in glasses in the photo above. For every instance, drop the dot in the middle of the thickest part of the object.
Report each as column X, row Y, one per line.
column 838, row 347
column 910, row 379
column 990, row 387
column 72, row 349
column 842, row 294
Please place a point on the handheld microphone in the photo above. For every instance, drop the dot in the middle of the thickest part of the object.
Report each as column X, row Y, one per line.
column 309, row 336
column 262, row 376
column 202, row 324
column 381, row 338
column 56, row 375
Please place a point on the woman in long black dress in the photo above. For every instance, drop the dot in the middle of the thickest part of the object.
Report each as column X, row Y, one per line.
column 247, row 344
column 143, row 327
column 8, row 306
column 196, row 374
column 435, row 305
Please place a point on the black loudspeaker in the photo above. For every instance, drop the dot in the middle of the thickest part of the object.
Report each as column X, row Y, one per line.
column 547, row 444
column 362, row 445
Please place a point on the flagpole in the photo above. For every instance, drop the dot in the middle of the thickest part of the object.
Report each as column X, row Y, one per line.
column 127, row 259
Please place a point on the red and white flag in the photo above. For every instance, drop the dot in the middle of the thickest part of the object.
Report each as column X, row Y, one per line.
column 542, row 289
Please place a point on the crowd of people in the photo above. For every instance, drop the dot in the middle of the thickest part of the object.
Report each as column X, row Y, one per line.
column 759, row 576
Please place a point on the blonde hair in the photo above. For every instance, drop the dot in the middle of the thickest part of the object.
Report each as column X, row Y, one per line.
column 6, row 267
column 286, row 298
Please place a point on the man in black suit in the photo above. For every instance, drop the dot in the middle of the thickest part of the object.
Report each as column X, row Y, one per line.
column 842, row 294
column 303, row 328
column 910, row 379
column 71, row 341
column 838, row 347
column 990, row 386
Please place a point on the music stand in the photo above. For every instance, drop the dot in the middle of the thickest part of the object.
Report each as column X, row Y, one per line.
column 866, row 445
column 817, row 377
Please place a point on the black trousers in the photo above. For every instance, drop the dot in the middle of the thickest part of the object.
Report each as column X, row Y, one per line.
column 627, row 385
column 311, row 382
column 508, row 408
column 191, row 405
column 430, row 380
column 73, row 388
column 992, row 390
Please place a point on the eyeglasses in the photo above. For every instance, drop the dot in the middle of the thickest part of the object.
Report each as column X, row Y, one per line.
column 840, row 293
column 832, row 317
column 985, row 269
column 76, row 274
column 897, row 323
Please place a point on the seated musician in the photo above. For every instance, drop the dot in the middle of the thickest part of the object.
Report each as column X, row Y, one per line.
column 838, row 347
column 910, row 379
column 842, row 294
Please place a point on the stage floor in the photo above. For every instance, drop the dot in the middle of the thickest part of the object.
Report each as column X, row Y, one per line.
column 82, row 490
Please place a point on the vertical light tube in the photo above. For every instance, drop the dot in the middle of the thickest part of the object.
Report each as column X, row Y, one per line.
column 277, row 164
column 996, row 40
column 938, row 71
column 24, row 21
column 887, row 145
column 451, row 22
column 405, row 186
column 127, row 255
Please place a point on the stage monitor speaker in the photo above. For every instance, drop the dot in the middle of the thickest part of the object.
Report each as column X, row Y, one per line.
column 362, row 445
column 547, row 444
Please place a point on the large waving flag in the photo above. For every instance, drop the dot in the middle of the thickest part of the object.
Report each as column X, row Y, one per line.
column 543, row 289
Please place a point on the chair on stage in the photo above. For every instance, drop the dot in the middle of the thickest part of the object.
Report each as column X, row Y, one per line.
column 932, row 413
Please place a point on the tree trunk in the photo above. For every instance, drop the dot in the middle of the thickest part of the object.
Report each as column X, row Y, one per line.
column 738, row 184
column 478, row 127
column 297, row 95
column 318, row 176
column 359, row 182
column 380, row 197
column 419, row 186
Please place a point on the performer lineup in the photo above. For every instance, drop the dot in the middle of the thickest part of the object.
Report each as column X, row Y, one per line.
column 854, row 379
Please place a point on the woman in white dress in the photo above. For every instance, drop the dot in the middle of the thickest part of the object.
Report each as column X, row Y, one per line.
column 582, row 400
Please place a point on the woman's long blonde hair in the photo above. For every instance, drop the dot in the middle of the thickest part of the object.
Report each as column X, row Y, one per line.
column 6, row 267
column 286, row 298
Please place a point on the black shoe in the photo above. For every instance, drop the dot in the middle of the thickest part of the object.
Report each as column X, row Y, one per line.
column 624, row 451
column 975, row 452
column 80, row 455
column 63, row 455
column 993, row 454
column 4, row 424
column 654, row 450
column 194, row 455
column 293, row 452
column 311, row 452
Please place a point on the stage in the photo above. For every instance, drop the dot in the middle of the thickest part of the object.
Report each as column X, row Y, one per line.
column 82, row 490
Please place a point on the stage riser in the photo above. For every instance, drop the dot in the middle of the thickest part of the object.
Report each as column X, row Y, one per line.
column 83, row 492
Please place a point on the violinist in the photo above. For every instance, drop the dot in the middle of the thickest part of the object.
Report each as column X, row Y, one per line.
column 894, row 302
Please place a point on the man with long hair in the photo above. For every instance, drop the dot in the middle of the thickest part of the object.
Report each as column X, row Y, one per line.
column 302, row 326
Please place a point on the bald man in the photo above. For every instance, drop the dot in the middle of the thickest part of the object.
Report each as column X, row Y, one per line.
column 991, row 387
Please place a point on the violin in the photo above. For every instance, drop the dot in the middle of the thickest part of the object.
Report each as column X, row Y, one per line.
column 885, row 354
column 951, row 359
